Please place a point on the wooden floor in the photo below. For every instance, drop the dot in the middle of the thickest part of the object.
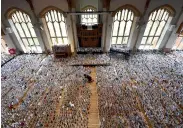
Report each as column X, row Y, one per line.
column 21, row 99
column 93, row 117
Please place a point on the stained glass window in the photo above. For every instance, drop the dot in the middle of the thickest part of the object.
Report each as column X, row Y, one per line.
column 89, row 19
column 25, row 30
column 122, row 24
column 154, row 28
column 56, row 24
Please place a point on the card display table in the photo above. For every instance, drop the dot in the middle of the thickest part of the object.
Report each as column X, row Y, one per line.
column 143, row 91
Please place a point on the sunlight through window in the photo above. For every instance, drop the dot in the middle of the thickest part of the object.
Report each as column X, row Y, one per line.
column 26, row 32
column 122, row 24
column 57, row 27
column 154, row 28
column 89, row 19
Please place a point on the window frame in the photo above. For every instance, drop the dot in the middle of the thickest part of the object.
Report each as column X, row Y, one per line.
column 20, row 17
column 132, row 18
column 166, row 19
column 53, row 20
column 88, row 9
column 153, row 18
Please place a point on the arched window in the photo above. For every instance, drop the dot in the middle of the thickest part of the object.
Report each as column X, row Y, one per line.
column 24, row 30
column 123, row 19
column 154, row 29
column 56, row 24
column 89, row 19
column 179, row 41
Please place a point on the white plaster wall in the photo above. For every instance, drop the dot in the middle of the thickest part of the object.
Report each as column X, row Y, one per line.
column 133, row 35
column 45, row 34
column 39, row 5
column 70, row 33
column 6, row 4
column 139, row 4
column 15, row 35
column 8, row 41
column 141, row 33
column 104, row 20
column 7, row 38
column 75, row 43
column 84, row 3
column 14, row 3
column 109, row 32
column 100, row 5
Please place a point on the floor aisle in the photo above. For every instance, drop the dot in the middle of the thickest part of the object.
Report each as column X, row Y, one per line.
column 93, row 117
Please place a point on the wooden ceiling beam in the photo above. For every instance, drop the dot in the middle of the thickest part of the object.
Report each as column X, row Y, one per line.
column 106, row 4
column 71, row 4
column 30, row 4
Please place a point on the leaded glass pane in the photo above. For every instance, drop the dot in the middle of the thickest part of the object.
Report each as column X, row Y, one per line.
column 115, row 28
column 56, row 26
column 122, row 24
column 155, row 41
column 113, row 40
column 149, row 40
column 25, row 42
column 25, row 30
column 148, row 27
column 50, row 27
column 65, row 40
column 125, row 40
column 121, row 29
column 119, row 40
column 144, row 40
column 89, row 19
column 19, row 28
column 56, row 17
column 33, row 48
column 160, row 28
column 54, row 40
column 31, row 42
column 154, row 28
column 128, row 26
column 60, row 41
column 62, row 24
column 39, row 49
column 31, row 30
column 36, row 41
column 57, row 29
column 27, row 33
